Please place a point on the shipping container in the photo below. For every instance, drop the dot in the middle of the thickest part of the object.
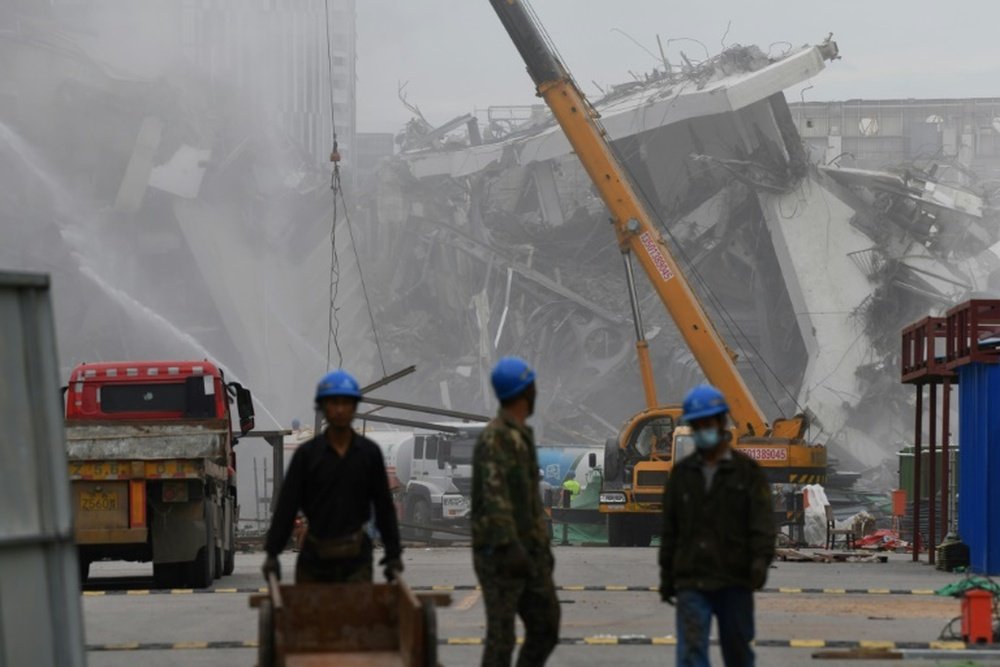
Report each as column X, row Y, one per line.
column 40, row 619
column 905, row 461
column 979, row 459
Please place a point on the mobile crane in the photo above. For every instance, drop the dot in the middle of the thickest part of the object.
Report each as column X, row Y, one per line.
column 637, row 463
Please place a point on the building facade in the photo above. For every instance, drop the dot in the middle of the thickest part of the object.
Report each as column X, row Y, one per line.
column 276, row 52
column 874, row 134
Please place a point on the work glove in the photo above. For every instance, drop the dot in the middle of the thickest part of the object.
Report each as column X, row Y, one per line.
column 514, row 561
column 271, row 564
column 668, row 594
column 758, row 573
column 393, row 568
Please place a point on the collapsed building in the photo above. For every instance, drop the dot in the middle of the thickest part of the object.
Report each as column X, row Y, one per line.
column 177, row 222
column 808, row 266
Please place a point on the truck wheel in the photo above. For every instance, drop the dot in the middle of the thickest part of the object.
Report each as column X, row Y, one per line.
column 616, row 530
column 420, row 515
column 218, row 565
column 612, row 456
column 265, row 635
column 168, row 575
column 429, row 613
column 201, row 571
column 229, row 566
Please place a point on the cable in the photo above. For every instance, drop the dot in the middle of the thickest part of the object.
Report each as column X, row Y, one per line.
column 361, row 277
column 333, row 323
column 727, row 319
column 329, row 64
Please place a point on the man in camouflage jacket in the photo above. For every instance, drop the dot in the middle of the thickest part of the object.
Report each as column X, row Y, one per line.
column 512, row 553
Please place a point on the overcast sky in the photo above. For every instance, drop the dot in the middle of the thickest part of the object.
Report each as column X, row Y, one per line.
column 456, row 56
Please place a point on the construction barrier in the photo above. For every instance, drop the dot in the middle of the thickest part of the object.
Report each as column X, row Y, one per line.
column 566, row 588
column 601, row 640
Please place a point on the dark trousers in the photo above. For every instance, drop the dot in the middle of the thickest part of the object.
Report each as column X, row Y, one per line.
column 311, row 568
column 533, row 599
column 733, row 608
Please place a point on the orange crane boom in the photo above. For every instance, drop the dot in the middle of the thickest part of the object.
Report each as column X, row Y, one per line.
column 637, row 235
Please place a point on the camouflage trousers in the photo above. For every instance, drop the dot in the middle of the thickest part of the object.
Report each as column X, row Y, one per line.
column 533, row 599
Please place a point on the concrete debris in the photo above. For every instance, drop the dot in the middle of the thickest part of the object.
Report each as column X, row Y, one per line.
column 483, row 236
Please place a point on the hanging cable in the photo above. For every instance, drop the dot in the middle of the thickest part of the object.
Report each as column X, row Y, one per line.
column 361, row 277
column 333, row 323
column 338, row 195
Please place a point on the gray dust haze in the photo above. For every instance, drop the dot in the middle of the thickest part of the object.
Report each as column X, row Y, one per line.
column 167, row 163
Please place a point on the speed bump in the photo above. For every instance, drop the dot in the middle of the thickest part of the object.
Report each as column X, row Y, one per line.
column 597, row 640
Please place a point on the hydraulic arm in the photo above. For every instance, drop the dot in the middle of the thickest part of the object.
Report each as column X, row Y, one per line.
column 637, row 235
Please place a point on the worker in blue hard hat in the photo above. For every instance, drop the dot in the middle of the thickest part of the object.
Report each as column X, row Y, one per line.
column 511, row 548
column 335, row 479
column 718, row 536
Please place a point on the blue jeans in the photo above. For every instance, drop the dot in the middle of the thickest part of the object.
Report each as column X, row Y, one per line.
column 733, row 608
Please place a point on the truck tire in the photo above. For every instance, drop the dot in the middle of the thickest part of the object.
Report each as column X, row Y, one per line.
column 612, row 457
column 420, row 515
column 429, row 613
column 616, row 530
column 168, row 575
column 265, row 635
column 229, row 566
column 201, row 571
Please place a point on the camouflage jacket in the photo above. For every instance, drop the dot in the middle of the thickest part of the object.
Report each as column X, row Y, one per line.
column 506, row 506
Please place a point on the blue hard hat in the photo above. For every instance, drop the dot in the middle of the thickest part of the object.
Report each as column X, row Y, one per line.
column 338, row 383
column 510, row 377
column 702, row 402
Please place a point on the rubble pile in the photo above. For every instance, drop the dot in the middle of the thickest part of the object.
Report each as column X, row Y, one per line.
column 175, row 229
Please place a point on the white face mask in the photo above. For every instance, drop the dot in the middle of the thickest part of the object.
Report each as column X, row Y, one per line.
column 707, row 438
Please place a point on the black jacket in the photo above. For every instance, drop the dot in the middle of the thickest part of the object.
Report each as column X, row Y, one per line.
column 337, row 494
column 720, row 538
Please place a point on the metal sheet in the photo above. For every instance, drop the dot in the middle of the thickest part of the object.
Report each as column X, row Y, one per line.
column 40, row 619
column 144, row 442
column 979, row 462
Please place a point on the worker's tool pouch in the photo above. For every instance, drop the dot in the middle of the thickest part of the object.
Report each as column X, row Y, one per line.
column 335, row 548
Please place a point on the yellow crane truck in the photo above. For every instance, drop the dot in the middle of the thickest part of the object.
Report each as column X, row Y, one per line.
column 637, row 463
column 152, row 467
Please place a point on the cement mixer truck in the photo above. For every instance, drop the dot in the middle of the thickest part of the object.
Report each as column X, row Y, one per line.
column 434, row 475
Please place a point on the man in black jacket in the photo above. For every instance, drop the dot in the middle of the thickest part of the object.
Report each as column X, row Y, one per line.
column 335, row 479
column 718, row 537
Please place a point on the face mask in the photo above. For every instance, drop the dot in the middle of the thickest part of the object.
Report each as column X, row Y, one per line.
column 707, row 438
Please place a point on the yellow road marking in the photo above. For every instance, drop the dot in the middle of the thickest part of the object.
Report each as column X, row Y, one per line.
column 806, row 643
column 138, row 592
column 835, row 591
column 600, row 640
column 190, row 645
column 879, row 591
column 250, row 643
column 93, row 594
column 181, row 591
column 868, row 643
column 616, row 588
column 665, row 641
column 442, row 588
column 922, row 591
column 226, row 590
column 789, row 590
column 573, row 588
column 468, row 601
column 464, row 641
column 948, row 646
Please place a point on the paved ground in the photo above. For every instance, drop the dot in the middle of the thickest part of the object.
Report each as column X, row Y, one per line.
column 117, row 617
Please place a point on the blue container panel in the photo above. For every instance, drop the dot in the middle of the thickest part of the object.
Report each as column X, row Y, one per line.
column 979, row 461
